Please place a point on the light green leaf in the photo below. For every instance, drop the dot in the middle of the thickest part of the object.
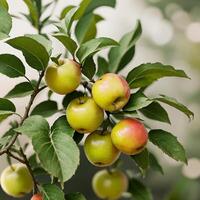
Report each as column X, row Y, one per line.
column 74, row 196
column 156, row 112
column 93, row 46
column 4, row 4
column 82, row 7
column 168, row 144
column 174, row 103
column 154, row 164
column 66, row 10
column 11, row 66
column 146, row 74
column 102, row 66
column 45, row 108
column 35, row 54
column 5, row 23
column 4, row 141
column 120, row 56
column 89, row 68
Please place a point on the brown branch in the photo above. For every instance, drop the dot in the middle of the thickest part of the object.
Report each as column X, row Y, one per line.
column 15, row 157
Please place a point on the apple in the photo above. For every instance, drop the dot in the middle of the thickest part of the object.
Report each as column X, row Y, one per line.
column 63, row 78
column 109, row 185
column 129, row 136
column 37, row 197
column 84, row 115
column 111, row 92
column 16, row 180
column 100, row 150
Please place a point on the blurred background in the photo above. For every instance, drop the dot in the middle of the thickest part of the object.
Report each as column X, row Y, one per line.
column 171, row 35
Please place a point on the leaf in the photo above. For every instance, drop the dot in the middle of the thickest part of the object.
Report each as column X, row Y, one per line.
column 93, row 46
column 4, row 4
column 102, row 66
column 69, row 97
column 62, row 125
column 78, row 137
column 146, row 74
column 7, row 108
column 52, row 192
column 137, row 101
column 4, row 141
column 142, row 161
column 68, row 42
column 74, row 196
column 174, row 103
column 89, row 68
column 154, row 164
column 65, row 11
column 20, row 90
column 168, row 144
column 35, row 54
column 120, row 56
column 156, row 112
column 139, row 191
column 45, row 108
column 11, row 66
column 5, row 22
column 82, row 7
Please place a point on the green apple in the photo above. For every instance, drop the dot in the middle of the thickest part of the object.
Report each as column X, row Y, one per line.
column 16, row 180
column 109, row 185
column 37, row 197
column 100, row 150
column 129, row 136
column 63, row 78
column 111, row 92
column 84, row 115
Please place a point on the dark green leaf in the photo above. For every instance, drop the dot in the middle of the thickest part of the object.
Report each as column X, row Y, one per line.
column 139, row 191
column 174, row 103
column 168, row 144
column 69, row 97
column 89, row 68
column 20, row 90
column 74, row 196
column 35, row 54
column 65, row 11
column 62, row 125
column 52, row 192
column 142, row 161
column 68, row 42
column 120, row 56
column 78, row 137
column 4, row 4
column 93, row 46
column 11, row 66
column 5, row 23
column 45, row 108
column 146, row 74
column 156, row 112
column 102, row 66
column 154, row 164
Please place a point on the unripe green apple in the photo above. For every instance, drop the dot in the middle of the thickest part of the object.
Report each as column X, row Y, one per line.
column 111, row 92
column 63, row 78
column 37, row 197
column 109, row 185
column 84, row 115
column 16, row 180
column 100, row 150
column 129, row 136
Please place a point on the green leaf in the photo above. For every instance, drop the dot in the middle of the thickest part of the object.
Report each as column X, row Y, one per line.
column 4, row 141
column 68, row 42
column 78, row 137
column 45, row 108
column 139, row 191
column 137, row 101
column 142, row 161
column 146, row 74
column 93, row 46
column 89, row 68
column 102, row 66
column 34, row 52
column 156, row 112
column 20, row 90
column 82, row 7
column 74, row 196
column 168, row 144
column 4, row 4
column 154, row 164
column 11, row 66
column 52, row 192
column 65, row 11
column 7, row 108
column 61, row 124
column 120, row 56
column 174, row 103
column 69, row 97
column 5, row 23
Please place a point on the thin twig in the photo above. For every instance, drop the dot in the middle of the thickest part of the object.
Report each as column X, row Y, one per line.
column 15, row 157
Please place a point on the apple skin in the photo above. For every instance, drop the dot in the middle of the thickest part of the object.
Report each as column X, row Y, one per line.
column 109, row 185
column 16, row 181
column 111, row 92
column 84, row 115
column 100, row 150
column 129, row 136
column 63, row 78
column 37, row 197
